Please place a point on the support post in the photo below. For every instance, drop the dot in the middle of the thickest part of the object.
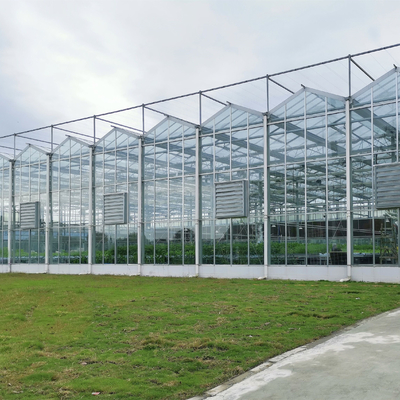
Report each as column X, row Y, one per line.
column 140, row 235
column 48, row 220
column 349, row 198
column 267, row 239
column 91, row 236
column 198, row 233
column 11, row 215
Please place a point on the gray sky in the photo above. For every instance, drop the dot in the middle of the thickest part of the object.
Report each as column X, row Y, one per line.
column 65, row 59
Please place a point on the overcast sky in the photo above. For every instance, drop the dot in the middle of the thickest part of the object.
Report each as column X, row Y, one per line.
column 65, row 59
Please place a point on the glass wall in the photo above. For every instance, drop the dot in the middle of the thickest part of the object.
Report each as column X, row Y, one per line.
column 170, row 193
column 232, row 149
column 70, row 169
column 374, row 141
column 4, row 207
column 30, row 179
column 116, row 171
column 307, row 179
column 306, row 168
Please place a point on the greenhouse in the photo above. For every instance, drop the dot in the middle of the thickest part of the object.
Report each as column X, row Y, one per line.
column 306, row 188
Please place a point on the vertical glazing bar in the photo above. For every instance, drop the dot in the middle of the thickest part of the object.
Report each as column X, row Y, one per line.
column 305, row 205
column 327, row 183
column 198, row 233
column 267, row 87
column 349, row 202
column 349, row 63
column 267, row 242
column 52, row 138
column 11, row 215
column 140, row 236
column 91, row 227
column 48, row 215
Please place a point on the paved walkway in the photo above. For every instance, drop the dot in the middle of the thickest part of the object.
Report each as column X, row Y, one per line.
column 361, row 362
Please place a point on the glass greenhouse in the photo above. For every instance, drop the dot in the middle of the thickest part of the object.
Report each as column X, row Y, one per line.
column 308, row 189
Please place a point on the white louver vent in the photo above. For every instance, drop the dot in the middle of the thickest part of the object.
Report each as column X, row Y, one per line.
column 30, row 215
column 387, row 186
column 231, row 199
column 115, row 209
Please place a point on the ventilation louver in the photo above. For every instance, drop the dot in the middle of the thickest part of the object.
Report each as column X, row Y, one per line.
column 387, row 186
column 231, row 199
column 30, row 215
column 115, row 209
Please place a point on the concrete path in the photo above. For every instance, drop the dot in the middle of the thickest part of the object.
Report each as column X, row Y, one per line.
column 361, row 362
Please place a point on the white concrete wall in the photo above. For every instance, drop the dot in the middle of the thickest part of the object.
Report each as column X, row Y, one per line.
column 365, row 273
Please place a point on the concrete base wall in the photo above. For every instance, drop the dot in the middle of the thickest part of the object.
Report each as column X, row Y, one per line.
column 365, row 273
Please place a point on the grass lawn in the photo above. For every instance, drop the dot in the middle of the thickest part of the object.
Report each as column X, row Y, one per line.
column 64, row 337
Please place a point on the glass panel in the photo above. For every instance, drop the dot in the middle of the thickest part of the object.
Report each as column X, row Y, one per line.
column 175, row 158
column 316, row 186
column 122, row 140
column 361, row 131
column 149, row 243
column 161, row 208
column 149, row 162
column 277, row 190
column 385, row 128
column 161, row 132
column 337, row 184
column 295, row 106
column 256, row 192
column 295, row 141
column 337, row 237
column 161, row 164
column 161, row 243
column 175, row 199
column 207, row 154
column 222, row 242
column 336, row 135
column 133, row 164
column 175, row 130
column 362, row 182
column 277, row 237
column 176, row 236
column 190, row 198
column 386, row 240
column 240, row 236
column 208, row 234
column 256, row 241
column 276, row 136
column 295, row 184
column 207, row 198
column 239, row 149
column 296, row 249
column 315, row 104
column 189, row 243
column 363, row 233
column 316, row 138
column 317, row 252
column 363, row 98
column 239, row 118
column 385, row 89
column 256, row 147
column 223, row 120
column 222, row 152
column 190, row 156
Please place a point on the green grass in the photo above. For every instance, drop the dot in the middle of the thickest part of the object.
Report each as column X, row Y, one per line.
column 64, row 337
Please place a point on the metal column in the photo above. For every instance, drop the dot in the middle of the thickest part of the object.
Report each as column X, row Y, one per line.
column 349, row 198
column 11, row 215
column 91, row 236
column 49, row 218
column 198, row 233
column 140, row 235
column 267, row 241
